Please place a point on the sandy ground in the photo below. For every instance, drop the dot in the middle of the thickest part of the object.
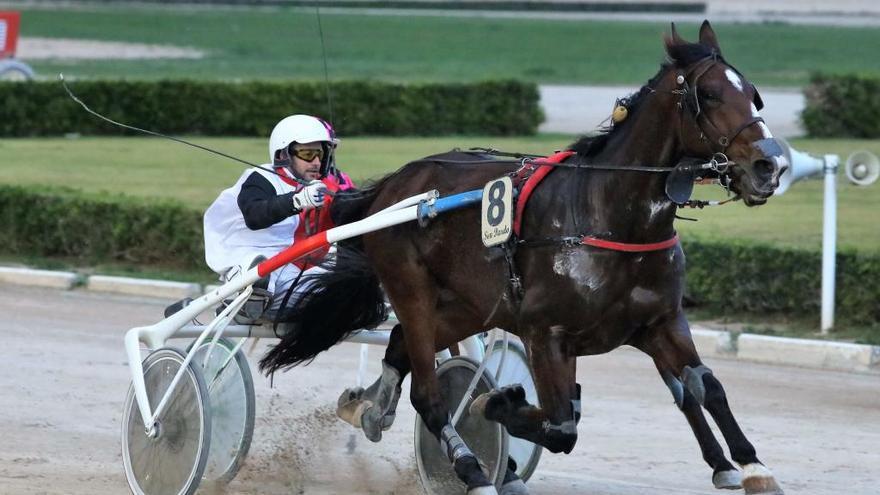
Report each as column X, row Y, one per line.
column 63, row 380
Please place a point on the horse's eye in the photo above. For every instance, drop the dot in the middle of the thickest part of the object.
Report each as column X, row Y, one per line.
column 711, row 97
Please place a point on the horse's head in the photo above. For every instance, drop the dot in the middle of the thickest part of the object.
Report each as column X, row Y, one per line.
column 719, row 115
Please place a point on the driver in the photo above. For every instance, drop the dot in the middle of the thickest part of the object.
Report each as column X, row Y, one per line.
column 264, row 213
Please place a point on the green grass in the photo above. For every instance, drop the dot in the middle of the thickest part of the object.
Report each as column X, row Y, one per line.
column 152, row 167
column 283, row 43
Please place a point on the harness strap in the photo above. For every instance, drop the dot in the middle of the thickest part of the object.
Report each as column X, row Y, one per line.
column 629, row 247
column 533, row 176
column 586, row 240
column 516, row 286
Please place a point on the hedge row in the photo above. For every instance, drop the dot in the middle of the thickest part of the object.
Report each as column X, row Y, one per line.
column 252, row 108
column 741, row 277
column 843, row 106
column 765, row 279
column 92, row 229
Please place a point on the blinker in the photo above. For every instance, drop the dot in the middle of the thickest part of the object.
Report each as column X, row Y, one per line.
column 680, row 182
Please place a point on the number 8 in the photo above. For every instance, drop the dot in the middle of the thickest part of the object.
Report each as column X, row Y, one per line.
column 495, row 212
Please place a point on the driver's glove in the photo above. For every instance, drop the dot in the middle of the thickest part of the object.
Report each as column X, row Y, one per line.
column 310, row 197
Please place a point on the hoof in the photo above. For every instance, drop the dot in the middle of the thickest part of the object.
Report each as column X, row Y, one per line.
column 478, row 406
column 499, row 403
column 350, row 407
column 758, row 480
column 730, row 479
column 349, row 395
column 483, row 490
column 515, row 487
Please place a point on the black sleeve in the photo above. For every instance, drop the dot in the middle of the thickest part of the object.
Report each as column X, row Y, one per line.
column 261, row 206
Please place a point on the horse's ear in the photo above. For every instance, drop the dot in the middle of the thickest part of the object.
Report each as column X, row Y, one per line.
column 675, row 37
column 707, row 37
column 672, row 40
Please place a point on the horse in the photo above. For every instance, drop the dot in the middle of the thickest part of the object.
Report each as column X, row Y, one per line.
column 570, row 299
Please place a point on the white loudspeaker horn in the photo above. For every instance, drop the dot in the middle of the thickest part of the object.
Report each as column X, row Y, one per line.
column 800, row 166
column 862, row 168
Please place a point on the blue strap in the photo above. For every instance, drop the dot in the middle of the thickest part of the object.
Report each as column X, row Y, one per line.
column 427, row 210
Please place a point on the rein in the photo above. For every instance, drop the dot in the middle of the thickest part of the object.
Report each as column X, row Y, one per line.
column 718, row 163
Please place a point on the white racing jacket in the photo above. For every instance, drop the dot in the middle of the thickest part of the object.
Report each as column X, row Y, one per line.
column 229, row 242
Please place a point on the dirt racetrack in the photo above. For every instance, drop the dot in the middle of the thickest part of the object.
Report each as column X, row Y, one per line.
column 63, row 380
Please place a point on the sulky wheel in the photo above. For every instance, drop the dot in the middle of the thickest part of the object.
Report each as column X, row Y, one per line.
column 231, row 388
column 516, row 370
column 487, row 440
column 173, row 460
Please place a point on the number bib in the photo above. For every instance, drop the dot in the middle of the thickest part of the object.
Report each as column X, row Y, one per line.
column 497, row 212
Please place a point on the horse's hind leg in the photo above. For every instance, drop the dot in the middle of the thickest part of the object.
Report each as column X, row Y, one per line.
column 375, row 408
column 673, row 350
column 415, row 300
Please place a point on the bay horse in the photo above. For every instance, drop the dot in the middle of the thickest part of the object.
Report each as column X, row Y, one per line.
column 575, row 299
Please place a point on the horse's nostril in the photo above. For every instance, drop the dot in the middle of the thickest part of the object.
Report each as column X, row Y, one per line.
column 763, row 169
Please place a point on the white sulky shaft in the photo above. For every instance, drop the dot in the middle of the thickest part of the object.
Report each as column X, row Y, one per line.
column 154, row 336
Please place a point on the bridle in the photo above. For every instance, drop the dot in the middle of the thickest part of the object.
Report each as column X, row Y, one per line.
column 689, row 104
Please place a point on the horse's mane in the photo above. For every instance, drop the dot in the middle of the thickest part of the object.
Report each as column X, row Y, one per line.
column 680, row 55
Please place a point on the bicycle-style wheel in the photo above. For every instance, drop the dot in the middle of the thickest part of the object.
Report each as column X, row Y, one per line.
column 231, row 388
column 173, row 459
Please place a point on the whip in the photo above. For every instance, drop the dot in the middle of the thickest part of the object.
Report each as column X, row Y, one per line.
column 154, row 133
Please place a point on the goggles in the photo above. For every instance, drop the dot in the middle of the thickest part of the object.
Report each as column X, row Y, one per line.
column 308, row 154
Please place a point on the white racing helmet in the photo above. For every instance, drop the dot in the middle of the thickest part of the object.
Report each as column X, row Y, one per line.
column 302, row 129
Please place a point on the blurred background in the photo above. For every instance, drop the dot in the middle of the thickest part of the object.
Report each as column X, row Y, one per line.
column 403, row 79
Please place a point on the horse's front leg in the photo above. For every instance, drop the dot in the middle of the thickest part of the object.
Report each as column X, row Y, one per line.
column 673, row 351
column 428, row 402
column 554, row 424
column 724, row 475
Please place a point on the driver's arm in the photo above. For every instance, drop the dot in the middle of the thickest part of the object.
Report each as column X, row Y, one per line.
column 261, row 206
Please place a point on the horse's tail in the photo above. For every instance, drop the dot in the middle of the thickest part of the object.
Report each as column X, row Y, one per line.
column 338, row 302
column 335, row 304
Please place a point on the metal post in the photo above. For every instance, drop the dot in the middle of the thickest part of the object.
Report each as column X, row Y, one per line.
column 829, row 243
